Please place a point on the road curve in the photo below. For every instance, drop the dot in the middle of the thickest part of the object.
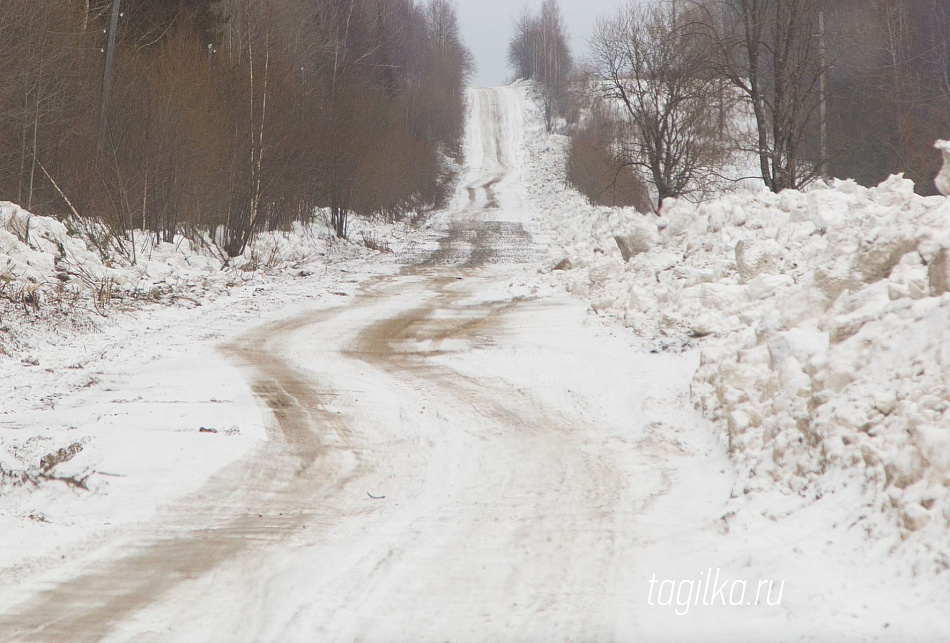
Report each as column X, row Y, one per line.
column 407, row 491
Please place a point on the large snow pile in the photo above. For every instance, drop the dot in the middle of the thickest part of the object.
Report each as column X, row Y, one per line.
column 822, row 319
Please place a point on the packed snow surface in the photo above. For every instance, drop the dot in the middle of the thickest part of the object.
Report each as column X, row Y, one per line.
column 435, row 441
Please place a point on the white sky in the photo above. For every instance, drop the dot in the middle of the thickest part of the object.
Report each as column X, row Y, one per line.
column 487, row 26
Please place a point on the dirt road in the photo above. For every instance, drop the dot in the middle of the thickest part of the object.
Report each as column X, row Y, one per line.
column 452, row 458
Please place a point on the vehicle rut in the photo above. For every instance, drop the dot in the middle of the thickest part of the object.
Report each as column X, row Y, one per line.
column 527, row 462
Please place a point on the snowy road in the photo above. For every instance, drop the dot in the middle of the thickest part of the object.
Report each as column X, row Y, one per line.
column 455, row 455
column 447, row 462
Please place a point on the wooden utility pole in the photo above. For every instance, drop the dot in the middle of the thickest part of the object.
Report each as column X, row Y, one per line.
column 822, row 90
column 107, row 75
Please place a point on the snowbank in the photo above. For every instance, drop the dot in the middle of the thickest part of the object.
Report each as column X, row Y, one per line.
column 823, row 321
column 827, row 350
column 46, row 266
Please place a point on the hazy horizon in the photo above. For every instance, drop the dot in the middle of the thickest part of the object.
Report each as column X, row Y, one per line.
column 487, row 26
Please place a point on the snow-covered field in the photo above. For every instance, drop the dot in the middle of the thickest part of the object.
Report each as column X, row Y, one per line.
column 758, row 399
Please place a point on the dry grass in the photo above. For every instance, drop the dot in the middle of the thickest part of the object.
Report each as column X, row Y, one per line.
column 373, row 242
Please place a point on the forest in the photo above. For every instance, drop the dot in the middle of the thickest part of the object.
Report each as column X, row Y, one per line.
column 218, row 118
column 679, row 97
column 889, row 89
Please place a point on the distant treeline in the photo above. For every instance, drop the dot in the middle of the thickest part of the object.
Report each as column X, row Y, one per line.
column 890, row 88
column 679, row 95
column 228, row 116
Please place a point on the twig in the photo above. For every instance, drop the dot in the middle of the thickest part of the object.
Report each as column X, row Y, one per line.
column 72, row 481
column 61, row 193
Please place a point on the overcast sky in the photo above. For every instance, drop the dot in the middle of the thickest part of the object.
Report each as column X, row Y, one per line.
column 487, row 26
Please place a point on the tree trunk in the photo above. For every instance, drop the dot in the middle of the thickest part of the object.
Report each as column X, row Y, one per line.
column 107, row 74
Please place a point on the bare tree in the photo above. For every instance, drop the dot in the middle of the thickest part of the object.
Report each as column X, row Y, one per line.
column 520, row 48
column 436, row 93
column 940, row 41
column 653, row 71
column 225, row 117
column 42, row 61
column 769, row 51
column 890, row 97
column 538, row 50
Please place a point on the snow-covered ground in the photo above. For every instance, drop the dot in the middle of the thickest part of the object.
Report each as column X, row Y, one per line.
column 821, row 319
column 820, row 322
column 744, row 442
column 114, row 394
